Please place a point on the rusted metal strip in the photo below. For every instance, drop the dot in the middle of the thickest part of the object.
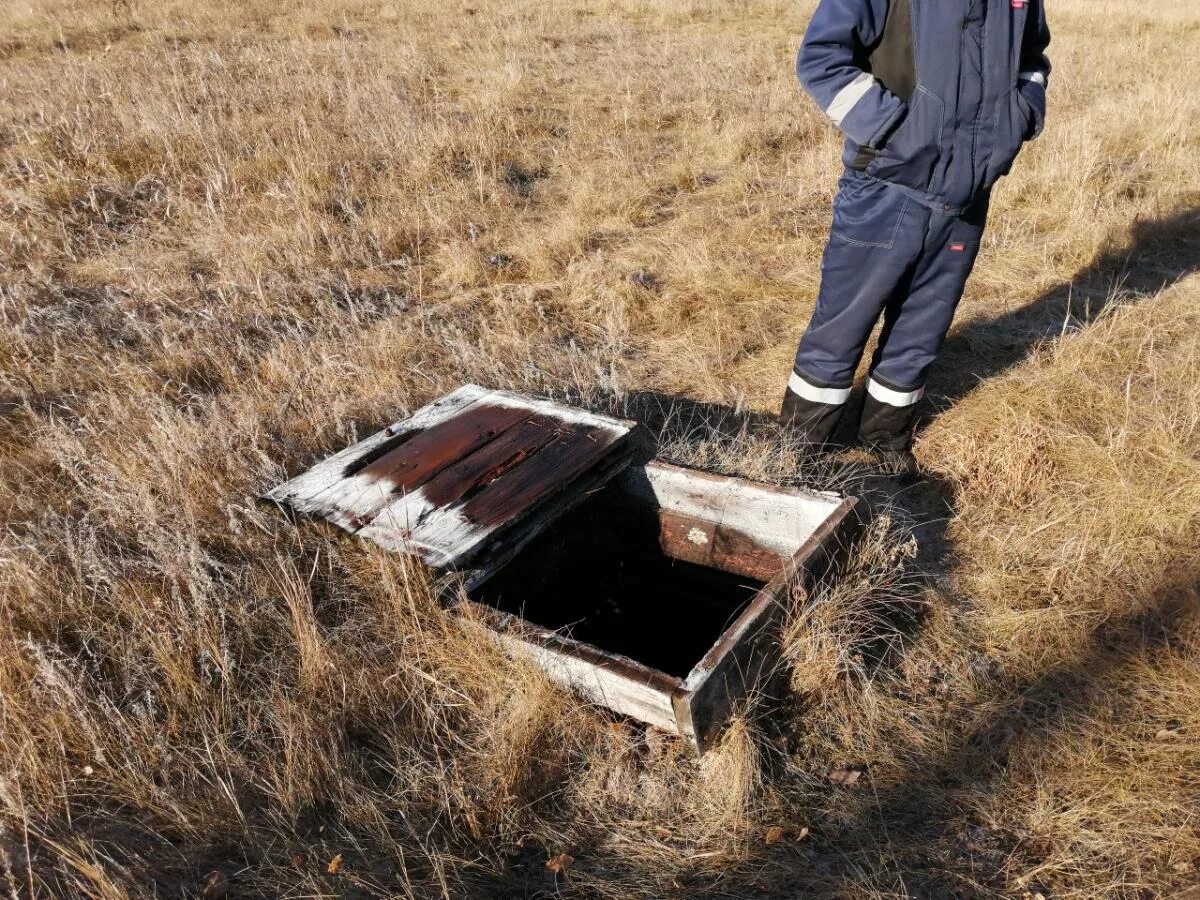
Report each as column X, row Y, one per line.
column 723, row 547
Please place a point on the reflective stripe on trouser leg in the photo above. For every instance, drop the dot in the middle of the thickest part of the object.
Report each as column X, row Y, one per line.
column 811, row 410
column 888, row 414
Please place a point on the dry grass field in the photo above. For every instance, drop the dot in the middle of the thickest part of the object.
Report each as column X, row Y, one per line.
column 233, row 236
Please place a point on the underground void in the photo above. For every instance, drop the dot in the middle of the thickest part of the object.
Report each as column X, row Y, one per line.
column 600, row 576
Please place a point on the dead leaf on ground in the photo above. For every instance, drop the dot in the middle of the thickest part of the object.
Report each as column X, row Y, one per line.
column 845, row 777
column 1168, row 734
column 335, row 865
column 662, row 832
column 774, row 835
column 559, row 863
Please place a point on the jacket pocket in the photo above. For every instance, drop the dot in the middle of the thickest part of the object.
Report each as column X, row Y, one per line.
column 1031, row 95
column 910, row 156
column 1012, row 128
column 868, row 213
column 963, row 239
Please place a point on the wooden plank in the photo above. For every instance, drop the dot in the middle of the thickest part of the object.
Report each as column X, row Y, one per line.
column 738, row 662
column 451, row 535
column 444, row 480
column 507, row 544
column 414, row 462
column 615, row 682
column 355, row 501
column 491, row 461
column 568, row 454
column 451, row 519
column 304, row 492
column 428, row 520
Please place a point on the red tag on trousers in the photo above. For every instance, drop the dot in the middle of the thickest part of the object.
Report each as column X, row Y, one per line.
column 1018, row 4
column 958, row 248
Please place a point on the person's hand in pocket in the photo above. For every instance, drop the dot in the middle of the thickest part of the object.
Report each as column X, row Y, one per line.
column 1032, row 92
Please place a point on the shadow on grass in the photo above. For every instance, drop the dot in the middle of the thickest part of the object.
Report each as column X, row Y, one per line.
column 927, row 804
column 1158, row 254
column 920, row 820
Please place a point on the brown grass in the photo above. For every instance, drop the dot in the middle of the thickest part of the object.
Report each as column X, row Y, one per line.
column 237, row 235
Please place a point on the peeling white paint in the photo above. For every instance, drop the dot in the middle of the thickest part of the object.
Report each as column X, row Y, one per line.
column 440, row 535
column 305, row 492
column 365, row 504
column 598, row 684
column 779, row 518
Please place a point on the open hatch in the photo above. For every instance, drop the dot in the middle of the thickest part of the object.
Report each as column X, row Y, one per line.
column 653, row 590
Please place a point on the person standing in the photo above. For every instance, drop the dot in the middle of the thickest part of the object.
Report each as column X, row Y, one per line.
column 936, row 99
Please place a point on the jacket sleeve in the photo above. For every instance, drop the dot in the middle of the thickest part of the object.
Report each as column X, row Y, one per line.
column 832, row 67
column 1035, row 65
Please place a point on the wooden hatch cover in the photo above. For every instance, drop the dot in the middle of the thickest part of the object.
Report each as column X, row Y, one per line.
column 466, row 481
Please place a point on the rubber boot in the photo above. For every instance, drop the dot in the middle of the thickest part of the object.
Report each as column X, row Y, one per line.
column 812, row 423
column 886, row 431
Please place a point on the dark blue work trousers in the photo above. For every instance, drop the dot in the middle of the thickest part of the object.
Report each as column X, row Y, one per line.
column 891, row 255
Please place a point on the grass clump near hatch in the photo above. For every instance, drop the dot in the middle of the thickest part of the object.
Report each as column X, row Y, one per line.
column 237, row 237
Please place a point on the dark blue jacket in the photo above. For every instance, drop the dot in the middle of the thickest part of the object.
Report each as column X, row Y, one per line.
column 935, row 96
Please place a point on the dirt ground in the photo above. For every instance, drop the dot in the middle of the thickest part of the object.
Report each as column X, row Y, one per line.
column 235, row 237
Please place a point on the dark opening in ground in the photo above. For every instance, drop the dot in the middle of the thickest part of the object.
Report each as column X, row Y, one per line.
column 600, row 576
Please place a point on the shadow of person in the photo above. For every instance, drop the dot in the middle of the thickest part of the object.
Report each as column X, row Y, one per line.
column 667, row 418
column 1159, row 253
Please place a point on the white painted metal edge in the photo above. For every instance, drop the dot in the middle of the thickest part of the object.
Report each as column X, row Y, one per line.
column 596, row 683
column 561, row 411
column 782, row 519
